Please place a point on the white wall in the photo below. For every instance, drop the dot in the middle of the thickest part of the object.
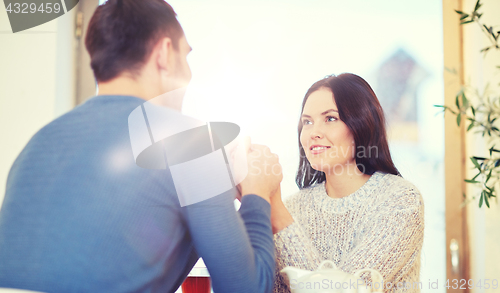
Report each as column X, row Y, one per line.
column 36, row 82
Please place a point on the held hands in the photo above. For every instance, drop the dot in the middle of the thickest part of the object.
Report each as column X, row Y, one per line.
column 264, row 172
column 263, row 179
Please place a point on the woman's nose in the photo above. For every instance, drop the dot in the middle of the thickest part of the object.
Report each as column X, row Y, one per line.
column 316, row 133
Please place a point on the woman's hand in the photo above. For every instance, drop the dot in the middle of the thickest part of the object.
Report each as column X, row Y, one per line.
column 280, row 217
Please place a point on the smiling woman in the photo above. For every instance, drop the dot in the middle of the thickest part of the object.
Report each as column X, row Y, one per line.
column 326, row 140
column 351, row 121
column 353, row 208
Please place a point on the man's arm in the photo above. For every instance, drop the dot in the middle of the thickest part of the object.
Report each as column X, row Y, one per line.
column 237, row 248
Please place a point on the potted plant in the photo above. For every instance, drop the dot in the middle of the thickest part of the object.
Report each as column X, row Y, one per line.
column 482, row 115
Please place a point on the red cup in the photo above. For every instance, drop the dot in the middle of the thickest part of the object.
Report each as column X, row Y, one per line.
column 196, row 285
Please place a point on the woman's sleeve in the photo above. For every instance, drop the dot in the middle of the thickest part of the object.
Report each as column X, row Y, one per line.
column 293, row 247
column 390, row 242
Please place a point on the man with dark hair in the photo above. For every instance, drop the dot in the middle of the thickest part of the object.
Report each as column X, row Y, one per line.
column 80, row 216
column 122, row 34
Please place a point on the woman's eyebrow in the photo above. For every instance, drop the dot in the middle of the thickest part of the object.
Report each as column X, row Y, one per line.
column 328, row 111
column 324, row 113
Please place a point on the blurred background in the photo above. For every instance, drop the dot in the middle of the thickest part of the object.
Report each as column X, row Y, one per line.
column 252, row 63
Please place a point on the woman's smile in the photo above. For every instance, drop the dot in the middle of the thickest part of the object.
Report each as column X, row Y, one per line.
column 318, row 149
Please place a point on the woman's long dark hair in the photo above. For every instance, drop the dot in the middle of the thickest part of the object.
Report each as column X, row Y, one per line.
column 360, row 110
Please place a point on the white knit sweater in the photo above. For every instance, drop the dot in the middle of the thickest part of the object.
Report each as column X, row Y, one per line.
column 380, row 226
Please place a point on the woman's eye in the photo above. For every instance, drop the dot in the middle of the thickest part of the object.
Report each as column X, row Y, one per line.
column 306, row 122
column 331, row 118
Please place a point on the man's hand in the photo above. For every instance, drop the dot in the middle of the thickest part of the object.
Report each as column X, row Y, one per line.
column 264, row 172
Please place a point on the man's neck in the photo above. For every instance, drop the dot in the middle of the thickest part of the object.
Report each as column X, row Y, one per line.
column 145, row 89
column 127, row 86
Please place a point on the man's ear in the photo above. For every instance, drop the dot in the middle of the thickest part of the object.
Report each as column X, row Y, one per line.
column 163, row 52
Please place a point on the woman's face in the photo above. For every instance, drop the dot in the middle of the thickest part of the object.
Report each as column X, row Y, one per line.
column 327, row 141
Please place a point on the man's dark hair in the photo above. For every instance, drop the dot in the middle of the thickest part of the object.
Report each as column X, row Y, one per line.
column 121, row 35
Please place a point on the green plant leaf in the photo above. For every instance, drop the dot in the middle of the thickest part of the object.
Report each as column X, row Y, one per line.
column 459, row 118
column 476, row 164
column 450, row 70
column 479, row 158
column 465, row 102
column 471, row 181
column 466, row 22
column 464, row 16
column 457, row 102
column 471, row 125
column 478, row 4
column 489, row 176
column 490, row 31
column 481, row 199
column 459, row 12
column 485, row 49
column 486, row 200
column 473, row 111
column 494, row 150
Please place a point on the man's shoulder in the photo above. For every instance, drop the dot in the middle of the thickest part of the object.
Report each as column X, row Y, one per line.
column 95, row 109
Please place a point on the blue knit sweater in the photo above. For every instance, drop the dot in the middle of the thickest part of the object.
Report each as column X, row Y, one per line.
column 80, row 216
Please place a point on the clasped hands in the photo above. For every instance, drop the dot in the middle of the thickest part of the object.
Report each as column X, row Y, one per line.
column 263, row 179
